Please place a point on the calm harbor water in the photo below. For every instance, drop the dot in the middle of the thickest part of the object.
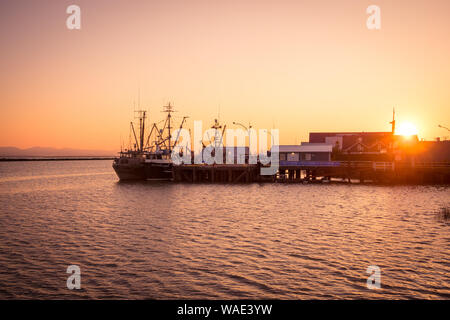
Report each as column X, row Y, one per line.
column 150, row 240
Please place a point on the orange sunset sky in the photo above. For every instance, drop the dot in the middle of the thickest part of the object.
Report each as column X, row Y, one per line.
column 298, row 65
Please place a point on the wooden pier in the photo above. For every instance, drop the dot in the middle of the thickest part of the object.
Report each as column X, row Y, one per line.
column 362, row 171
column 223, row 173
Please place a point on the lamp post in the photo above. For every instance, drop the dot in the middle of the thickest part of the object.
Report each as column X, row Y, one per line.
column 248, row 131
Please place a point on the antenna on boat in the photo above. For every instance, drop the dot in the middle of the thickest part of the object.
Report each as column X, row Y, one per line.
column 139, row 96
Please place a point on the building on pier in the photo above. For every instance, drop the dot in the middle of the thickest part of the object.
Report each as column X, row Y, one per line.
column 305, row 152
column 357, row 146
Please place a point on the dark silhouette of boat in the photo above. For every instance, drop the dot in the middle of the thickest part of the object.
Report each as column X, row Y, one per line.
column 152, row 160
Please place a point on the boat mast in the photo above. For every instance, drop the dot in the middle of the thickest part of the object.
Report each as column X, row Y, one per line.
column 142, row 117
column 179, row 131
column 134, row 133
column 217, row 136
column 143, row 130
column 169, row 109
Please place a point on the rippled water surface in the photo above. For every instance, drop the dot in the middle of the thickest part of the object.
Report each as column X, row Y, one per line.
column 160, row 240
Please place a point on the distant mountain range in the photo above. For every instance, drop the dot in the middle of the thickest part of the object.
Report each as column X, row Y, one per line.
column 53, row 152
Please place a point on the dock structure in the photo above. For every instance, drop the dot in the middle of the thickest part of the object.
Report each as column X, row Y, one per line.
column 364, row 171
column 316, row 171
column 217, row 173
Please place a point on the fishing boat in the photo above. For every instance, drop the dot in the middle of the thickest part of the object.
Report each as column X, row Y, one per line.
column 152, row 160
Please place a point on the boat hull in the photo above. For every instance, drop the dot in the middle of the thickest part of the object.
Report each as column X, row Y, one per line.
column 129, row 172
column 143, row 171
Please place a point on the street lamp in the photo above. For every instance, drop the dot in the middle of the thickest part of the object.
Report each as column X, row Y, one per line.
column 240, row 124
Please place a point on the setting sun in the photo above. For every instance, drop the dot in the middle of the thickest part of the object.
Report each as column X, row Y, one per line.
column 406, row 129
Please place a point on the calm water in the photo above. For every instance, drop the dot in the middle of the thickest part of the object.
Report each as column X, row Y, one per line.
column 159, row 240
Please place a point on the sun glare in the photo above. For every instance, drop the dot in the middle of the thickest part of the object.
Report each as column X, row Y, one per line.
column 406, row 129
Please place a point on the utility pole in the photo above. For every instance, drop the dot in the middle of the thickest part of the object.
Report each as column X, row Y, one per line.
column 393, row 121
